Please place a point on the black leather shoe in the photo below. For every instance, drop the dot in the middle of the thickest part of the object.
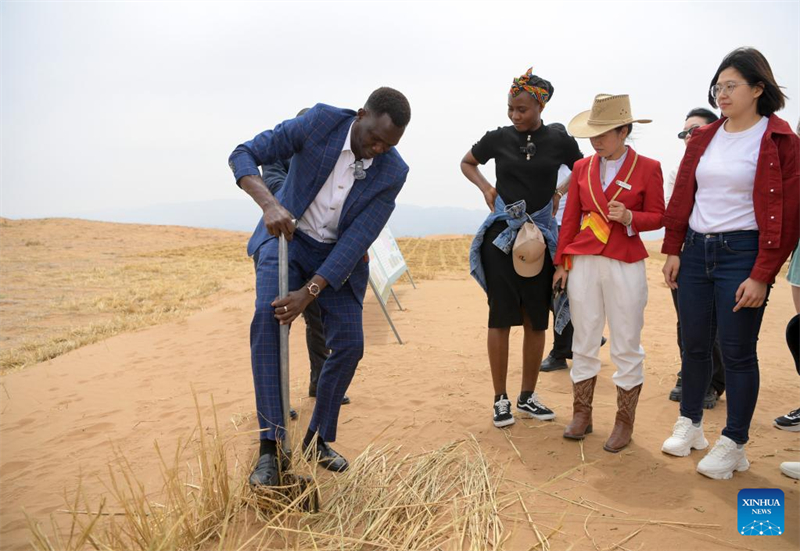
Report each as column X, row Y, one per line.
column 326, row 457
column 266, row 471
column 312, row 393
column 710, row 399
column 675, row 393
column 292, row 413
column 551, row 363
column 603, row 341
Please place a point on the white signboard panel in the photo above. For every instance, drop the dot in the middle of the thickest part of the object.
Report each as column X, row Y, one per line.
column 387, row 252
column 377, row 275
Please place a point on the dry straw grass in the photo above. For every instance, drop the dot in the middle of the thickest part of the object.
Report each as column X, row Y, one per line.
column 104, row 301
column 444, row 499
column 432, row 258
column 50, row 308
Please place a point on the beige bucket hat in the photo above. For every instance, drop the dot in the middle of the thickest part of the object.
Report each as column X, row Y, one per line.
column 529, row 249
column 607, row 112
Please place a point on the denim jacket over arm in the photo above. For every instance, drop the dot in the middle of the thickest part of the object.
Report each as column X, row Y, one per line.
column 515, row 216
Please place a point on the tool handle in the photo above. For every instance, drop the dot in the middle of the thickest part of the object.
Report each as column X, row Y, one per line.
column 283, row 335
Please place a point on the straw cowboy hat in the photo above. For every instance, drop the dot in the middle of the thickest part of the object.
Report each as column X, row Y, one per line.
column 607, row 112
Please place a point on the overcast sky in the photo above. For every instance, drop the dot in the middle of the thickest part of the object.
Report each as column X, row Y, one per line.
column 139, row 103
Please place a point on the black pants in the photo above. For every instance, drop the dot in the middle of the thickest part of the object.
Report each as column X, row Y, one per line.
column 718, row 374
column 562, row 344
column 793, row 340
column 315, row 339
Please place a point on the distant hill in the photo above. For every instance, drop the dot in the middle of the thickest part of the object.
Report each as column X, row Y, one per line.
column 242, row 215
column 414, row 221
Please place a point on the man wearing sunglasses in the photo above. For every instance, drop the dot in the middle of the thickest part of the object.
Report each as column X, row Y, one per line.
column 695, row 119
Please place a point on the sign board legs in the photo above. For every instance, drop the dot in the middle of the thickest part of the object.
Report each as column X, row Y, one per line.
column 385, row 311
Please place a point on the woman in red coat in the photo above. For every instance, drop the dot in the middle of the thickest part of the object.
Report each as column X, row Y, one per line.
column 615, row 195
column 731, row 223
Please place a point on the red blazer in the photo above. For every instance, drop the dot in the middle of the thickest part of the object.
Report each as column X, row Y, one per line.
column 645, row 200
column 776, row 195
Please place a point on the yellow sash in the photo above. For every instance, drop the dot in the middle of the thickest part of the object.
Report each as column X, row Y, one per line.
column 601, row 226
column 598, row 222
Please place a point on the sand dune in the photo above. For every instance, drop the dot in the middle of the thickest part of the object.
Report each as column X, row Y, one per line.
column 62, row 418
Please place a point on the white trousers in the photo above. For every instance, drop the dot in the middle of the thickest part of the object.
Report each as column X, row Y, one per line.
column 600, row 288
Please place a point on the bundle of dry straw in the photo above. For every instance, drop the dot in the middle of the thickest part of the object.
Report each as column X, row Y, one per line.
column 443, row 499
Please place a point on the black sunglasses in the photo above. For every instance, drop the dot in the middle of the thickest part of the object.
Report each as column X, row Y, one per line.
column 682, row 135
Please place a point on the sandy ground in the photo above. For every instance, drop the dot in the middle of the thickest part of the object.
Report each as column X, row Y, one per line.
column 61, row 419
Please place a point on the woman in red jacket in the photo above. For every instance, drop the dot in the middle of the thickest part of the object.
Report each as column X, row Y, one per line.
column 615, row 194
column 731, row 223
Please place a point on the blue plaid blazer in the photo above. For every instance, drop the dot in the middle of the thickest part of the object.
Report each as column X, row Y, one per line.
column 314, row 141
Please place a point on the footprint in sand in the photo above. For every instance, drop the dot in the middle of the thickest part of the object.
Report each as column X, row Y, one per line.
column 91, row 430
column 11, row 467
column 15, row 525
column 24, row 422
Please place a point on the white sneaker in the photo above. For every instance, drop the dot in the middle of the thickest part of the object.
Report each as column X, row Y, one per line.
column 685, row 437
column 724, row 458
column 791, row 469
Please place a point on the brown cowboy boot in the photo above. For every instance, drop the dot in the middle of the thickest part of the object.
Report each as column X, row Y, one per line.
column 623, row 425
column 581, row 424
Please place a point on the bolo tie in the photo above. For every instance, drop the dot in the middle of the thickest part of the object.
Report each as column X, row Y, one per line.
column 358, row 170
column 529, row 149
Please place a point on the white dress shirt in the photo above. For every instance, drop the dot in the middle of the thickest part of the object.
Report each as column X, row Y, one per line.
column 563, row 175
column 669, row 185
column 609, row 169
column 321, row 219
column 608, row 172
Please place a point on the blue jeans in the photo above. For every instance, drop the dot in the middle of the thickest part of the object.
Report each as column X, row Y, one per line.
column 712, row 268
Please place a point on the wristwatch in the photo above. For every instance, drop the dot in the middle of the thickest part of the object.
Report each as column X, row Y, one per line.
column 313, row 289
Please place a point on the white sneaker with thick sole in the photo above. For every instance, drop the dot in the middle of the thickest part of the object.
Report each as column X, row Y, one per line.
column 685, row 437
column 791, row 469
column 723, row 459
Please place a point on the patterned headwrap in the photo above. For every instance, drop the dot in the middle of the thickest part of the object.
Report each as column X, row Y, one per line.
column 524, row 83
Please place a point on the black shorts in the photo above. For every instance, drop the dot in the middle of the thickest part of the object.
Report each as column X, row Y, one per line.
column 509, row 293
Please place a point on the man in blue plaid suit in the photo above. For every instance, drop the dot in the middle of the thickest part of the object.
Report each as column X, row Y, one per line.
column 341, row 188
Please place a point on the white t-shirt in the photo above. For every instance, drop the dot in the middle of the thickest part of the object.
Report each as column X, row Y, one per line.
column 725, row 177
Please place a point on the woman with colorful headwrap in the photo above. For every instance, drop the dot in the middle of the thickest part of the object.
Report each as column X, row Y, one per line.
column 527, row 157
